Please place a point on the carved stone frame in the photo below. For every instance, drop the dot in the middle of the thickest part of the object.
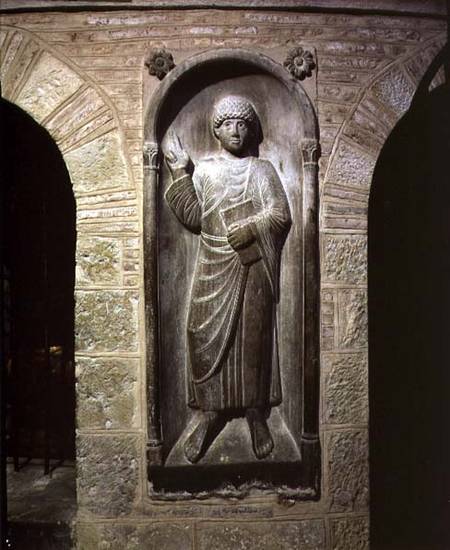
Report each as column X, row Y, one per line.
column 309, row 150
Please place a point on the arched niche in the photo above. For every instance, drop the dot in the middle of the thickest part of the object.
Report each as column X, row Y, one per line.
column 183, row 103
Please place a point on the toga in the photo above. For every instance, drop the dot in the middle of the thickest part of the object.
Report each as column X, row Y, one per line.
column 231, row 328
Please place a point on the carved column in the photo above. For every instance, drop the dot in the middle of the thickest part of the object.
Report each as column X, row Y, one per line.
column 151, row 175
column 310, row 149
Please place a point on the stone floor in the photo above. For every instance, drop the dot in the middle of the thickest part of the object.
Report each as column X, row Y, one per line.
column 41, row 508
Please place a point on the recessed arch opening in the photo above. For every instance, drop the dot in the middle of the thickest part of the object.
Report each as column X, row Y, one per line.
column 38, row 277
column 409, row 353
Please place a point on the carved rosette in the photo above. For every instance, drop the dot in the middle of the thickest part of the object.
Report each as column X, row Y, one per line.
column 159, row 63
column 151, row 157
column 300, row 63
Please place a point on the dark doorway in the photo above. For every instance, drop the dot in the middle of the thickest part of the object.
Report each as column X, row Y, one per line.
column 38, row 271
column 409, row 331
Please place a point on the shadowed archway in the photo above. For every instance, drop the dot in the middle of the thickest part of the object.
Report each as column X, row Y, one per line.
column 38, row 275
column 409, row 320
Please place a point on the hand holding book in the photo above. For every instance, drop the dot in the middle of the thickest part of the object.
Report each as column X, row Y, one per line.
column 240, row 236
column 239, row 233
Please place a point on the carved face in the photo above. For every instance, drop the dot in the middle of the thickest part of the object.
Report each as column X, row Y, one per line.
column 233, row 135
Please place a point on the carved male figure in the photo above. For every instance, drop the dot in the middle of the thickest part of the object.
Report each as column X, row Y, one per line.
column 237, row 204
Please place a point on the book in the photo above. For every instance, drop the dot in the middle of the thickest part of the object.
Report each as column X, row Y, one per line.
column 240, row 213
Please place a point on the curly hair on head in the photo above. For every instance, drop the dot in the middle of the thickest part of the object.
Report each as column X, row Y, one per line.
column 234, row 107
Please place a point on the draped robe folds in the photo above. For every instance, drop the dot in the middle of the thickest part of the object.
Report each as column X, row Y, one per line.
column 231, row 328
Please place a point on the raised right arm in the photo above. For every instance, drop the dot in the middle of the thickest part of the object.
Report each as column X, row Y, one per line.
column 181, row 195
column 183, row 201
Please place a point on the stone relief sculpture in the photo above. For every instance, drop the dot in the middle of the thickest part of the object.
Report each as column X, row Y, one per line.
column 232, row 285
column 237, row 205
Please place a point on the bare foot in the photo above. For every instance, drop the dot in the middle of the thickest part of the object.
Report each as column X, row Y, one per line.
column 203, row 435
column 259, row 430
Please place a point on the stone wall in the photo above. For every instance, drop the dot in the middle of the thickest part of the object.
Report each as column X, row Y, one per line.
column 81, row 76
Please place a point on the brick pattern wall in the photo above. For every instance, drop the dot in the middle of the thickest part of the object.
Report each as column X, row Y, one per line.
column 81, row 76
